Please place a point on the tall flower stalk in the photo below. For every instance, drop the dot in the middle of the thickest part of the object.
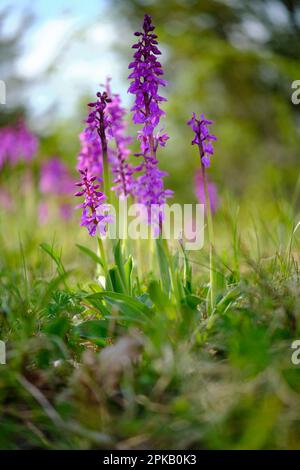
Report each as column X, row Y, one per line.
column 122, row 170
column 93, row 158
column 98, row 121
column 204, row 140
column 90, row 156
column 146, row 80
column 105, row 123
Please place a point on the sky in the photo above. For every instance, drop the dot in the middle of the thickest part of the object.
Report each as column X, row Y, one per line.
column 72, row 46
column 77, row 40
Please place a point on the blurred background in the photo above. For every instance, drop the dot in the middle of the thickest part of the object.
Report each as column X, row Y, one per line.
column 234, row 60
column 225, row 381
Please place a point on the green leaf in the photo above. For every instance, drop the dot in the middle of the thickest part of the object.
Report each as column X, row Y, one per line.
column 90, row 253
column 163, row 266
column 161, row 300
column 128, row 273
column 187, row 271
column 116, row 280
column 118, row 256
column 125, row 305
column 193, row 301
column 57, row 260
column 93, row 330
column 158, row 296
column 58, row 327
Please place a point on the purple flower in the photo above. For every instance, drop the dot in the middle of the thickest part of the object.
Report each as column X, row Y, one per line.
column 98, row 120
column 94, row 212
column 6, row 200
column 56, row 181
column 65, row 211
column 92, row 164
column 211, row 189
column 202, row 138
column 55, row 178
column 146, row 80
column 90, row 155
column 93, row 138
column 43, row 213
column 105, row 123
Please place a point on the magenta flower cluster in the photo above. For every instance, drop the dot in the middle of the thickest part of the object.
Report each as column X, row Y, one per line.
column 122, row 170
column 203, row 138
column 90, row 156
column 105, row 124
column 94, row 211
column 93, row 138
column 18, row 143
column 146, row 80
column 97, row 119
column 90, row 164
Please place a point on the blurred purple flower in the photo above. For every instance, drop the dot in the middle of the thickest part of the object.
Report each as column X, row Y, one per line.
column 94, row 212
column 65, row 211
column 43, row 212
column 6, row 200
column 55, row 178
column 146, row 79
column 202, row 138
column 211, row 189
column 90, row 155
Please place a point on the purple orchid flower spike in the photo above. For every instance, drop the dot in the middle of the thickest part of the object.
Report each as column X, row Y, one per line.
column 146, row 79
column 203, row 138
column 94, row 214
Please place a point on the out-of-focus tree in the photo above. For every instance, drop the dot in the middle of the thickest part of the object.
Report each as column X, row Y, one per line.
column 9, row 53
column 235, row 61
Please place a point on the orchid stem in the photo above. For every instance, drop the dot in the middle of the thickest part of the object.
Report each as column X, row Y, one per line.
column 211, row 243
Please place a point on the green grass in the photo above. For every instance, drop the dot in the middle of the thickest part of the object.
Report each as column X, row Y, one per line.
column 143, row 364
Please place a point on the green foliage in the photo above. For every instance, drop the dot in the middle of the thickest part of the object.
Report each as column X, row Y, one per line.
column 118, row 347
column 89, row 367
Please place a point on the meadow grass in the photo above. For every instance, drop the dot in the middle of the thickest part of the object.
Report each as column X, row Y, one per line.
column 144, row 363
